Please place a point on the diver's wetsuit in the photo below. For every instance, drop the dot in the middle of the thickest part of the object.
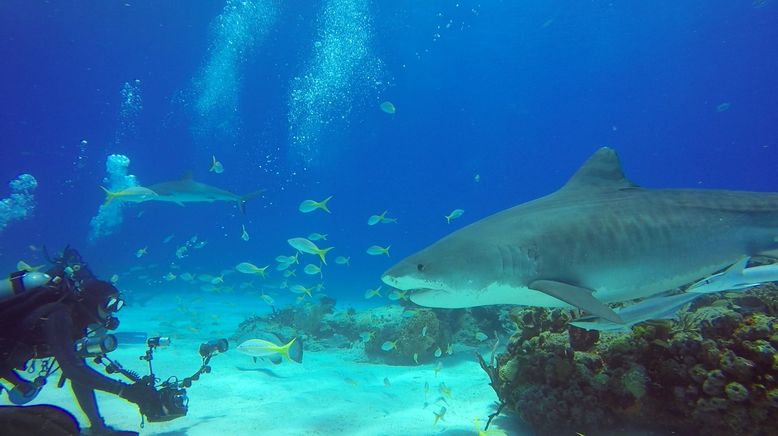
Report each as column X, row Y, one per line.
column 49, row 331
column 46, row 322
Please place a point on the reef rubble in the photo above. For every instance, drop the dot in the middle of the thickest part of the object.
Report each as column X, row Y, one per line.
column 712, row 371
column 419, row 335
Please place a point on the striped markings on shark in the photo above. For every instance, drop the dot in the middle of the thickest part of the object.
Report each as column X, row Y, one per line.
column 599, row 239
column 184, row 190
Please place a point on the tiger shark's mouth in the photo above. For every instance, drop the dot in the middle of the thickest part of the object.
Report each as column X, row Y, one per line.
column 409, row 283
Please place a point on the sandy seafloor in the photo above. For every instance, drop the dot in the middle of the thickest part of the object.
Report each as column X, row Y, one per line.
column 333, row 392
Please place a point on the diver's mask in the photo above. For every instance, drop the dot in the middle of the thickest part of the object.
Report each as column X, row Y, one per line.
column 106, row 310
column 97, row 302
column 113, row 304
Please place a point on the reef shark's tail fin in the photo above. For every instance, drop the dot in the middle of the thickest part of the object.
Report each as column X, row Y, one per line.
column 245, row 198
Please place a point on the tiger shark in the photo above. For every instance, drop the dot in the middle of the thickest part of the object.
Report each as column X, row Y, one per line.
column 599, row 239
column 187, row 190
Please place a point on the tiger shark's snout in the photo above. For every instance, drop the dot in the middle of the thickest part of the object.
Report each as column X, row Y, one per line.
column 401, row 278
column 423, row 291
column 389, row 279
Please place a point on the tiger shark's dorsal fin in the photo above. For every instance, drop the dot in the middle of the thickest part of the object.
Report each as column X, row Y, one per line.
column 601, row 171
column 187, row 175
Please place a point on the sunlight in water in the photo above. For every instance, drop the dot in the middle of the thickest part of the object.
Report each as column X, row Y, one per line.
column 341, row 68
column 242, row 25
column 131, row 107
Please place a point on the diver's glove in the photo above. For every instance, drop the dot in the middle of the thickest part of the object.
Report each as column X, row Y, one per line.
column 145, row 396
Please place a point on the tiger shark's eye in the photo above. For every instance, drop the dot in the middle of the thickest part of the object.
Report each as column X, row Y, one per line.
column 420, row 267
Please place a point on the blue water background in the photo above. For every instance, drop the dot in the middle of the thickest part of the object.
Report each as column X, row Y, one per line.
column 519, row 92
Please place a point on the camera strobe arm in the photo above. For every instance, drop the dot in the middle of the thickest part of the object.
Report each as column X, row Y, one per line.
column 207, row 351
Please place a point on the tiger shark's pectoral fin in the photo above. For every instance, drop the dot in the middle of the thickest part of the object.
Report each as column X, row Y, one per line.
column 577, row 296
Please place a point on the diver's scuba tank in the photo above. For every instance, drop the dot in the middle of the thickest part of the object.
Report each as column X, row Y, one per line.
column 21, row 281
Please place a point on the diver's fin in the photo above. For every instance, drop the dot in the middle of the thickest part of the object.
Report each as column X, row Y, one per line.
column 577, row 296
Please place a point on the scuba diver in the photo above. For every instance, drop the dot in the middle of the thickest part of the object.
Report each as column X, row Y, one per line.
column 56, row 315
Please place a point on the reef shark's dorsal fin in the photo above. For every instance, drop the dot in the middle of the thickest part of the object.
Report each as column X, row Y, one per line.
column 737, row 268
column 601, row 171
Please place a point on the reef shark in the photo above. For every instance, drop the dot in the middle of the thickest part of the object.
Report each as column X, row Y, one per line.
column 735, row 278
column 187, row 190
column 654, row 308
column 599, row 239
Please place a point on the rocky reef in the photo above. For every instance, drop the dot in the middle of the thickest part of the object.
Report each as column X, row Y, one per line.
column 714, row 371
column 419, row 335
column 312, row 320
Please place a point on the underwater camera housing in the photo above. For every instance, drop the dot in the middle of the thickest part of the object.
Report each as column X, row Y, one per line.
column 174, row 402
column 167, row 400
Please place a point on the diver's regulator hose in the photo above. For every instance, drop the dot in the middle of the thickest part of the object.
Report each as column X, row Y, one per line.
column 21, row 281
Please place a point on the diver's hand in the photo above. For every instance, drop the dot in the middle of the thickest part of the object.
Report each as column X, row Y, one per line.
column 145, row 396
column 137, row 392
